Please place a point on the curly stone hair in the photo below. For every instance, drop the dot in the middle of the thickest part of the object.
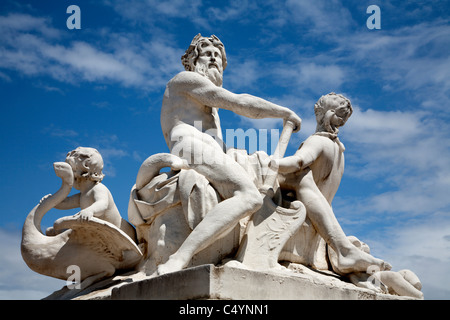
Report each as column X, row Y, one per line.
column 189, row 59
column 323, row 110
column 86, row 163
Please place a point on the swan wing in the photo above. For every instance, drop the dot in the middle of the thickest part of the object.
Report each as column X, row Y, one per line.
column 102, row 237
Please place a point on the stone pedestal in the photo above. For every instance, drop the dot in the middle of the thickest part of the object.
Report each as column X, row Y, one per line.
column 230, row 283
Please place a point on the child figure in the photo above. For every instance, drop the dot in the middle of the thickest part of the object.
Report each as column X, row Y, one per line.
column 314, row 172
column 94, row 199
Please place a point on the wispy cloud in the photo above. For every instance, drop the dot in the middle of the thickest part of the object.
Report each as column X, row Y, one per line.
column 151, row 12
column 309, row 76
column 242, row 75
column 5, row 77
column 422, row 247
column 408, row 152
column 322, row 17
column 62, row 133
column 29, row 46
column 409, row 58
column 109, row 145
column 17, row 281
column 235, row 10
column 26, row 23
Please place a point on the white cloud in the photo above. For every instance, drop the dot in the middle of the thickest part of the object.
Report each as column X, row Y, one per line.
column 56, row 131
column 236, row 9
column 404, row 150
column 409, row 59
column 242, row 75
column 151, row 12
column 320, row 17
column 17, row 281
column 109, row 146
column 421, row 247
column 309, row 75
column 26, row 23
column 321, row 78
column 30, row 48
column 382, row 127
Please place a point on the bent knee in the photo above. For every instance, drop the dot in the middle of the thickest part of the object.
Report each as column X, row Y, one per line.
column 251, row 199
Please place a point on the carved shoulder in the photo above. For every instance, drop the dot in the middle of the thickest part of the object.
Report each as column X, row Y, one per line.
column 188, row 78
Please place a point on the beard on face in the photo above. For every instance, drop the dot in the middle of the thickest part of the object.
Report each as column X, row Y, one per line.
column 212, row 73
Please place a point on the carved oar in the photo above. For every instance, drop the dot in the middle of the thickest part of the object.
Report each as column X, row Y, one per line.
column 271, row 226
column 272, row 172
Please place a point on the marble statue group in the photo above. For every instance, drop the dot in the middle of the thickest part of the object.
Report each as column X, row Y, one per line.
column 211, row 204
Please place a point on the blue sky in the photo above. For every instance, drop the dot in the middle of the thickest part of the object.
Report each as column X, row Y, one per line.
column 102, row 86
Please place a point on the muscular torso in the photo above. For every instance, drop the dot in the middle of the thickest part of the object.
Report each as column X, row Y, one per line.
column 107, row 210
column 322, row 157
column 183, row 116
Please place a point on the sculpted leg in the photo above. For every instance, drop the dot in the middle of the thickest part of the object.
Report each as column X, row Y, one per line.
column 319, row 211
column 219, row 220
column 241, row 198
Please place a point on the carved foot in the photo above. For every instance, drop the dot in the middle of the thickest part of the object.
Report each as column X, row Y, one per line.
column 235, row 264
column 172, row 265
column 358, row 261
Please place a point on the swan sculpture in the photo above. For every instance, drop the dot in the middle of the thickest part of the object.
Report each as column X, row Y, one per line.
column 97, row 247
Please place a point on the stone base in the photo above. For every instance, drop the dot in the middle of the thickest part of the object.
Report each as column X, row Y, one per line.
column 230, row 283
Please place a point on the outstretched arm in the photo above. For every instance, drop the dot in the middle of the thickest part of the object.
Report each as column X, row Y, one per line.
column 208, row 94
column 69, row 202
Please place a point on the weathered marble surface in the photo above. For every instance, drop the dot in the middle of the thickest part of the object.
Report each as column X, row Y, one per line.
column 229, row 283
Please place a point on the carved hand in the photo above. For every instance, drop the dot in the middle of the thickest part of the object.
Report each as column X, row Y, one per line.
column 84, row 215
column 295, row 119
column 178, row 164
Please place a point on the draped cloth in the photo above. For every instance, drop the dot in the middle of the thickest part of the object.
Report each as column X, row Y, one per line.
column 189, row 189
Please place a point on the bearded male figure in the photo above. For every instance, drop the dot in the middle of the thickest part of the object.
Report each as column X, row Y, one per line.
column 191, row 128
